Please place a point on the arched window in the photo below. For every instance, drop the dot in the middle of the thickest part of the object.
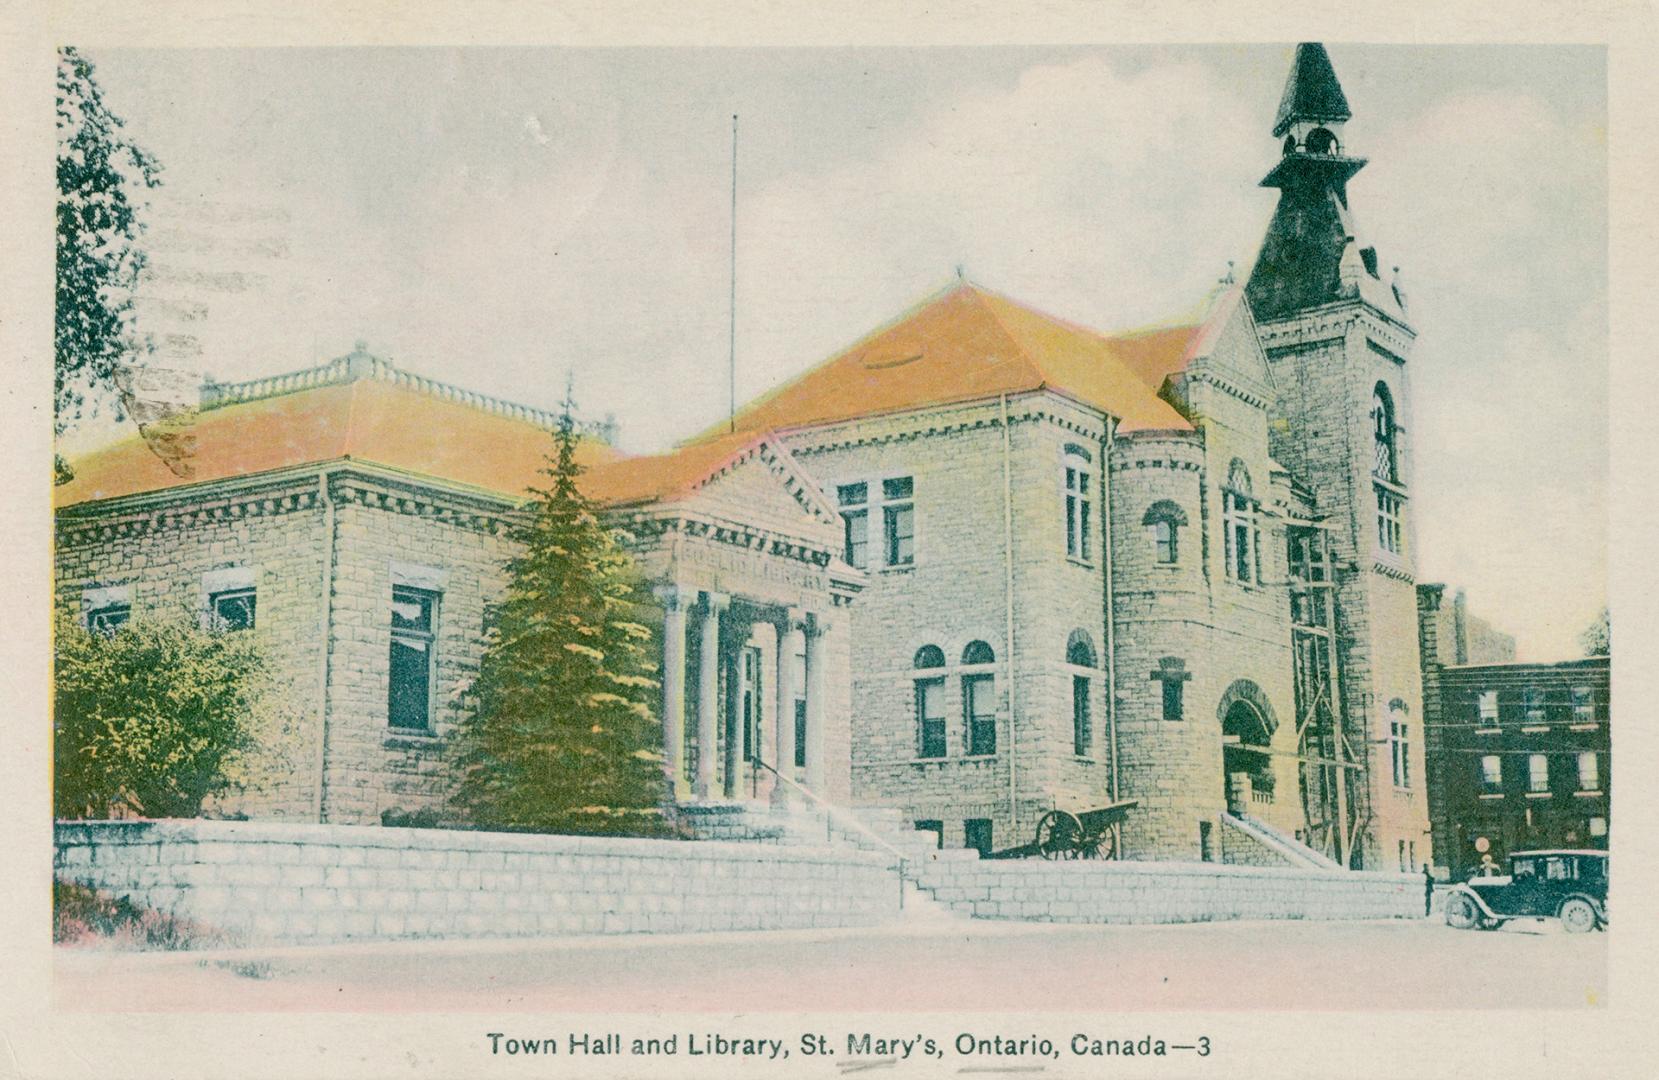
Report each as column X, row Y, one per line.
column 979, row 709
column 930, row 702
column 1385, row 471
column 1080, row 655
column 1321, row 141
column 1164, row 520
column 1384, row 464
column 1079, row 502
column 1243, row 532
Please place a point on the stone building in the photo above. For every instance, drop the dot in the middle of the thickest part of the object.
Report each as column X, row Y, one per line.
column 982, row 564
column 1518, row 753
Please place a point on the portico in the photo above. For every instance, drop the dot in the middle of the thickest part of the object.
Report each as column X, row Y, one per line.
column 746, row 564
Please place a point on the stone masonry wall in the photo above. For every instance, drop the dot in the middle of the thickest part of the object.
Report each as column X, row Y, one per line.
column 162, row 549
column 270, row 883
column 1139, row 892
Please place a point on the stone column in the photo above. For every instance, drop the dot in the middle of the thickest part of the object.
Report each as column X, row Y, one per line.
column 708, row 697
column 790, row 632
column 815, row 764
column 674, row 600
column 734, row 716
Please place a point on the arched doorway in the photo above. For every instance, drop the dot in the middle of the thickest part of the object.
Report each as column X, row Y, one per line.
column 1247, row 726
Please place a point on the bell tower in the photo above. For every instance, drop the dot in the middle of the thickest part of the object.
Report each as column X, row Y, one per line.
column 1339, row 343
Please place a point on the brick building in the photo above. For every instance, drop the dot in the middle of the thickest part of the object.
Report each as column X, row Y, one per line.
column 979, row 565
column 1517, row 753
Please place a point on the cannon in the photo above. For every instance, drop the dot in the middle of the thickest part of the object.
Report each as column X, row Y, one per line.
column 1062, row 834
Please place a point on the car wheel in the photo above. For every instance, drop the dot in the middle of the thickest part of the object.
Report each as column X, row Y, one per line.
column 1577, row 916
column 1461, row 913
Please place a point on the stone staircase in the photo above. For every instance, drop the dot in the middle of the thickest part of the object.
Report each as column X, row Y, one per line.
column 1248, row 841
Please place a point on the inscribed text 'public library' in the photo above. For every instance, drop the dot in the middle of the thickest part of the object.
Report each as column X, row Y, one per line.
column 982, row 564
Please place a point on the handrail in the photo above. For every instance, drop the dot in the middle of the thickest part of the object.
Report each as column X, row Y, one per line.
column 833, row 813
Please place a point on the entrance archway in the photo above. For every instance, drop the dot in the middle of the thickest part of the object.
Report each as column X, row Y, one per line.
column 1247, row 726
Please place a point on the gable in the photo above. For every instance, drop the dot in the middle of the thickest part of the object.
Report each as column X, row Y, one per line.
column 1228, row 349
column 764, row 489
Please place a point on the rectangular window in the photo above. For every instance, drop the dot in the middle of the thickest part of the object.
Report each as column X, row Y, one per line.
column 1403, row 866
column 930, row 717
column 1399, row 737
column 899, row 520
column 109, row 618
column 979, row 710
column 1082, row 735
column 1205, row 852
column 1488, row 707
column 934, row 826
column 1491, row 774
column 1584, row 705
column 976, row 834
column 1532, row 700
column 1589, row 776
column 1390, row 535
column 414, row 635
column 1078, row 508
column 233, row 609
column 1538, row 773
column 855, row 518
column 1172, row 699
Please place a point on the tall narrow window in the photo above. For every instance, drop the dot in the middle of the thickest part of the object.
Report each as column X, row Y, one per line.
column 1080, row 657
column 800, row 710
column 1589, row 776
column 979, row 710
column 1079, row 505
column 1532, row 700
column 855, row 521
column 930, row 702
column 976, row 834
column 1584, row 705
column 1488, row 707
column 1399, row 744
column 1171, row 674
column 1385, row 469
column 1239, row 521
column 1491, row 774
column 414, row 634
column 899, row 519
column 1164, row 519
column 1538, row 773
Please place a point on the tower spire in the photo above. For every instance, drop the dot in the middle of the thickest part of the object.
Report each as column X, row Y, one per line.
column 1312, row 91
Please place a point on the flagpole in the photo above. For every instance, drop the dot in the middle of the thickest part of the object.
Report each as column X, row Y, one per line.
column 731, row 369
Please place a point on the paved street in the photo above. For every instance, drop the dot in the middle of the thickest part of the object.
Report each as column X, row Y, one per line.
column 920, row 965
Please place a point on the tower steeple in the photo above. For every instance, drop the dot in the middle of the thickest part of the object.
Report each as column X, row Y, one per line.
column 1310, row 256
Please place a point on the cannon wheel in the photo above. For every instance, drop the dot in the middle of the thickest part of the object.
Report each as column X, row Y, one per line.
column 1059, row 835
column 1097, row 846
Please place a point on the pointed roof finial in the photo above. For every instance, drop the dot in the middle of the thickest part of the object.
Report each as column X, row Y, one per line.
column 1228, row 278
column 961, row 274
column 1312, row 91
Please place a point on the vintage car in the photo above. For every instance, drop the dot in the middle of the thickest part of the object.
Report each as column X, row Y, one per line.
column 1566, row 885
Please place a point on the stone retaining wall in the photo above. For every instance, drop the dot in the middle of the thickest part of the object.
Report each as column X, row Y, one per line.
column 260, row 883
column 1134, row 892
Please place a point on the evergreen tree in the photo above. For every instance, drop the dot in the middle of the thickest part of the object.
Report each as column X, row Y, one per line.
column 1597, row 638
column 564, row 736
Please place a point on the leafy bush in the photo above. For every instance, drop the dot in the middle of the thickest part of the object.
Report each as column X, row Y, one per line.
column 154, row 718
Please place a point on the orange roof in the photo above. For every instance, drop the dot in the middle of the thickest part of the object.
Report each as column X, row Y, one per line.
column 969, row 343
column 368, row 419
column 654, row 478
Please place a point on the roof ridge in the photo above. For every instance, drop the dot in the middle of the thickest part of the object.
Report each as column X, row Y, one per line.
column 1020, row 348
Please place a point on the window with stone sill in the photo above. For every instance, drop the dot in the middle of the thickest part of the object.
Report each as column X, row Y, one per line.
column 109, row 618
column 979, row 711
column 855, row 519
column 1080, row 657
column 1241, row 528
column 899, row 519
column 930, row 702
column 412, row 670
column 233, row 609
column 1589, row 772
column 1079, row 505
column 1491, row 774
column 1538, row 773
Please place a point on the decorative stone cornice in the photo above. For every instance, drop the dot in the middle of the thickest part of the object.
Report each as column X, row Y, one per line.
column 1399, row 573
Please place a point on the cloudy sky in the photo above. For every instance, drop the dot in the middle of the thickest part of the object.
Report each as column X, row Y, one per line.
column 500, row 217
